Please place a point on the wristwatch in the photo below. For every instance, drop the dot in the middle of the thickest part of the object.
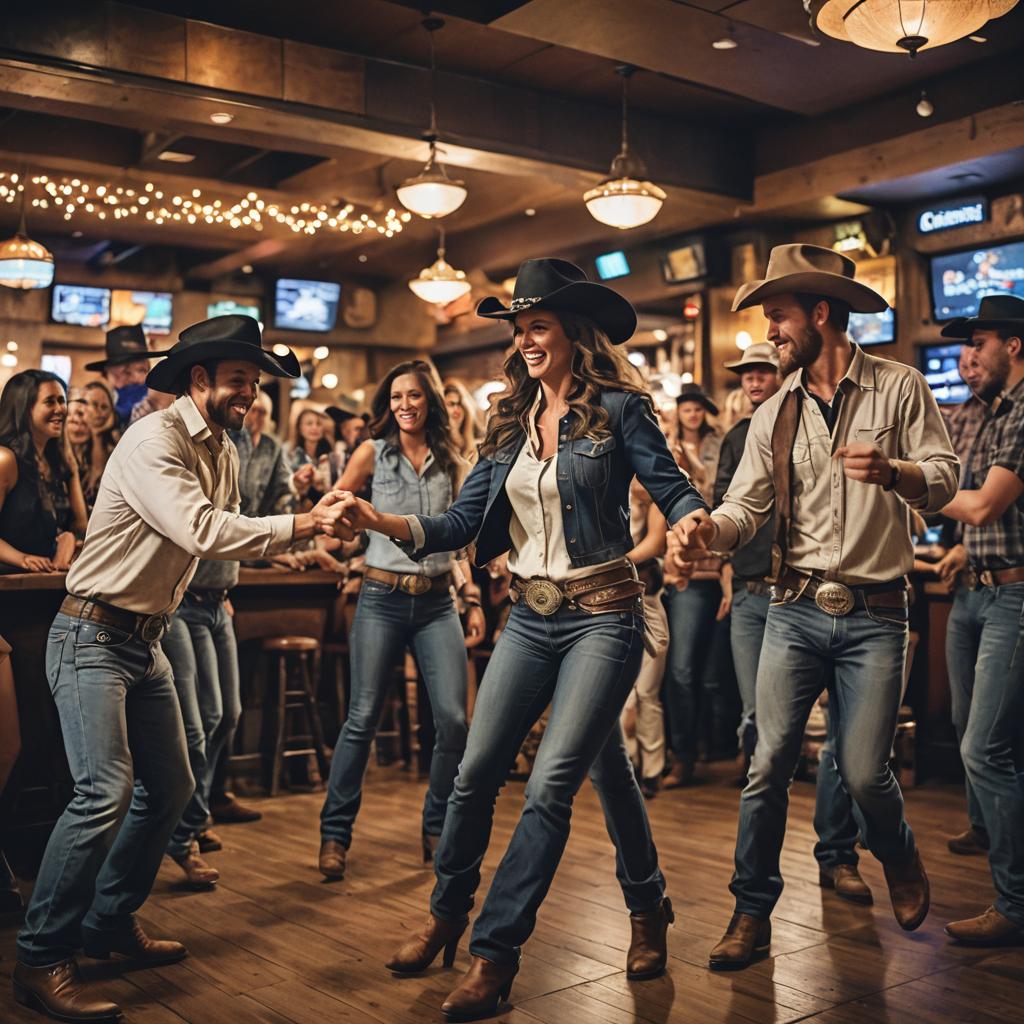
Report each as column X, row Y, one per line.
column 895, row 478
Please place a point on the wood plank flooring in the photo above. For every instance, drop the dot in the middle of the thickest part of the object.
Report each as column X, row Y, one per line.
column 274, row 944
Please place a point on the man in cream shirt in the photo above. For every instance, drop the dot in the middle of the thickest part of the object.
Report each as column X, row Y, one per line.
column 169, row 497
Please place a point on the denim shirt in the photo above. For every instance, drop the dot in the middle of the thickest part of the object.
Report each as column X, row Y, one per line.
column 398, row 489
column 593, row 485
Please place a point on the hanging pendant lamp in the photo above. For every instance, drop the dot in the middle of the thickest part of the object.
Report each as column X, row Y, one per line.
column 626, row 198
column 24, row 263
column 440, row 283
column 431, row 193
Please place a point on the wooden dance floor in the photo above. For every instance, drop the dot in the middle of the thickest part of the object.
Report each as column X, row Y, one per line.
column 274, row 943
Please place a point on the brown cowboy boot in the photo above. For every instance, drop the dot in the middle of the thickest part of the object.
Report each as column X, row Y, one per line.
column 846, row 880
column 198, row 874
column 968, row 843
column 745, row 940
column 58, row 991
column 648, row 950
column 988, row 929
column 419, row 953
column 484, row 987
column 332, row 860
column 209, row 841
column 908, row 891
column 132, row 944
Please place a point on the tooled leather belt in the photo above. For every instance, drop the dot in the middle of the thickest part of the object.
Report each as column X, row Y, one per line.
column 149, row 628
column 612, row 590
column 414, row 583
column 974, row 578
column 836, row 598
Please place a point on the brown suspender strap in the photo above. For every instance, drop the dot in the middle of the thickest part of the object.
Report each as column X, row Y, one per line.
column 783, row 436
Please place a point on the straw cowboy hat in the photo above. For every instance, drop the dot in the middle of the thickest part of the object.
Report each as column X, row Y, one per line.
column 814, row 270
column 995, row 312
column 761, row 354
column 561, row 285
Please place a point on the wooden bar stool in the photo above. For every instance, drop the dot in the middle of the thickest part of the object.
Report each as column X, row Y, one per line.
column 284, row 649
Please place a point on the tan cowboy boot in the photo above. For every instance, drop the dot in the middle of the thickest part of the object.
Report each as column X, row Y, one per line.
column 332, row 860
column 988, row 929
column 648, row 950
column 745, row 940
column 58, row 992
column 846, row 880
column 420, row 952
column 908, row 891
column 484, row 987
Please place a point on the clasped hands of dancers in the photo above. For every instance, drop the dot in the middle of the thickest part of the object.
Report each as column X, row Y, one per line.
column 832, row 462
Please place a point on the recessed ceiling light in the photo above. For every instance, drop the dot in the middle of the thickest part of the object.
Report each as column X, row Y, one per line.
column 76, row 234
column 726, row 41
column 977, row 39
column 247, row 268
column 530, row 212
column 173, row 157
column 221, row 117
column 362, row 257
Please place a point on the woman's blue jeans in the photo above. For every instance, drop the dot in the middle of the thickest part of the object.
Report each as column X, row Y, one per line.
column 584, row 666
column 387, row 621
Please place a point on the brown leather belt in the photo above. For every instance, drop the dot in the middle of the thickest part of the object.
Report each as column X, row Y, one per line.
column 759, row 587
column 149, row 628
column 414, row 583
column 613, row 590
column 974, row 578
column 836, row 598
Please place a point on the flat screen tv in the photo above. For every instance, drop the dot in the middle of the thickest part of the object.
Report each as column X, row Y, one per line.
column 873, row 328
column 154, row 310
column 612, row 264
column 685, row 263
column 306, row 305
column 939, row 364
column 228, row 306
column 81, row 305
column 960, row 279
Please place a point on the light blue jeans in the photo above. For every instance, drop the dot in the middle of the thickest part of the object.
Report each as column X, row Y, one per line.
column 749, row 615
column 125, row 745
column 861, row 657
column 585, row 666
column 386, row 622
column 985, row 659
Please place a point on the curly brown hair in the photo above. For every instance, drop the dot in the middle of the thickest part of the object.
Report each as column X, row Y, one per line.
column 597, row 365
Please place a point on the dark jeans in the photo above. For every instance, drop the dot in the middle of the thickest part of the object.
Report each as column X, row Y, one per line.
column 985, row 656
column 125, row 746
column 585, row 666
column 386, row 623
column 861, row 656
column 201, row 647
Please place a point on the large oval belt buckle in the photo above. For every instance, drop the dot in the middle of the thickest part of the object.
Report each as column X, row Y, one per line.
column 834, row 599
column 415, row 584
column 543, row 597
column 153, row 629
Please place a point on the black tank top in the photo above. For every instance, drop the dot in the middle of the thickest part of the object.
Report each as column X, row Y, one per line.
column 33, row 513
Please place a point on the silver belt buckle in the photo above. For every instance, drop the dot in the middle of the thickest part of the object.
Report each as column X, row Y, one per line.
column 153, row 629
column 542, row 596
column 834, row 598
column 414, row 583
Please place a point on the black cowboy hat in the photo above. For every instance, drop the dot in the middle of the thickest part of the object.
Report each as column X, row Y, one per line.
column 995, row 312
column 123, row 345
column 222, row 337
column 561, row 285
column 695, row 393
column 340, row 416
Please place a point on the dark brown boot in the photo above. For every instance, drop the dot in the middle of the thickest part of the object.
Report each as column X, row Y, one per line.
column 484, row 987
column 59, row 992
column 198, row 874
column 648, row 950
column 745, row 940
column 988, row 929
column 846, row 880
column 332, row 860
column 419, row 953
column 231, row 811
column 681, row 775
column 209, row 841
column 908, row 891
column 132, row 944
column 969, row 843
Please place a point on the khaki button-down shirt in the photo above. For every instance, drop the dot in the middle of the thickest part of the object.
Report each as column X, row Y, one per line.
column 168, row 497
column 843, row 529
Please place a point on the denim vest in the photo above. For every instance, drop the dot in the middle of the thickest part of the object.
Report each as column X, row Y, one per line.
column 397, row 489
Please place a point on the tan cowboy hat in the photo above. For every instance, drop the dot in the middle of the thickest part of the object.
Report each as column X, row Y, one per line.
column 763, row 353
column 811, row 269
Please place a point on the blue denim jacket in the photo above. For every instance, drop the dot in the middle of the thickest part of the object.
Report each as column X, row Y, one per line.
column 593, row 484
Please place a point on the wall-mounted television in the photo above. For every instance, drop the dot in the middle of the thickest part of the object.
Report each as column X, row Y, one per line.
column 227, row 307
column 960, row 279
column 306, row 305
column 612, row 264
column 940, row 366
column 80, row 305
column 873, row 328
column 154, row 310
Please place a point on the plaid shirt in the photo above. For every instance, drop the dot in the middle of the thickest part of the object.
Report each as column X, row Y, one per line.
column 963, row 422
column 264, row 478
column 1000, row 442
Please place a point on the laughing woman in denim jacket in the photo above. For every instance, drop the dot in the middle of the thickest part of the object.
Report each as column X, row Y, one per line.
column 552, row 488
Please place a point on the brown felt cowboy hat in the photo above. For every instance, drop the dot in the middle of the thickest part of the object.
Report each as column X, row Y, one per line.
column 814, row 270
column 123, row 345
column 995, row 312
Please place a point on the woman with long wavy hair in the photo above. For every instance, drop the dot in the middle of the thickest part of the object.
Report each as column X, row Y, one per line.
column 402, row 603
column 462, row 415
column 570, row 432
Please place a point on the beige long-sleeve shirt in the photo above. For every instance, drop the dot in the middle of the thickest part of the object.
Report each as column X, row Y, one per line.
column 843, row 529
column 168, row 497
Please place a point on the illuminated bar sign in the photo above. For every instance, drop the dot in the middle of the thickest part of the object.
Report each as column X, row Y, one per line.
column 973, row 210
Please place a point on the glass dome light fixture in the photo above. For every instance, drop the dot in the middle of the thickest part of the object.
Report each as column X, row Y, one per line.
column 25, row 264
column 626, row 198
column 440, row 283
column 909, row 26
column 431, row 193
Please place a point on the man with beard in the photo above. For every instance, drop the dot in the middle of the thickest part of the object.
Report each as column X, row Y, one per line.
column 169, row 497
column 842, row 453
column 984, row 653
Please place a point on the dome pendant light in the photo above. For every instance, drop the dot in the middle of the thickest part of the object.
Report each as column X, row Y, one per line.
column 432, row 193
column 626, row 198
column 24, row 263
column 440, row 283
